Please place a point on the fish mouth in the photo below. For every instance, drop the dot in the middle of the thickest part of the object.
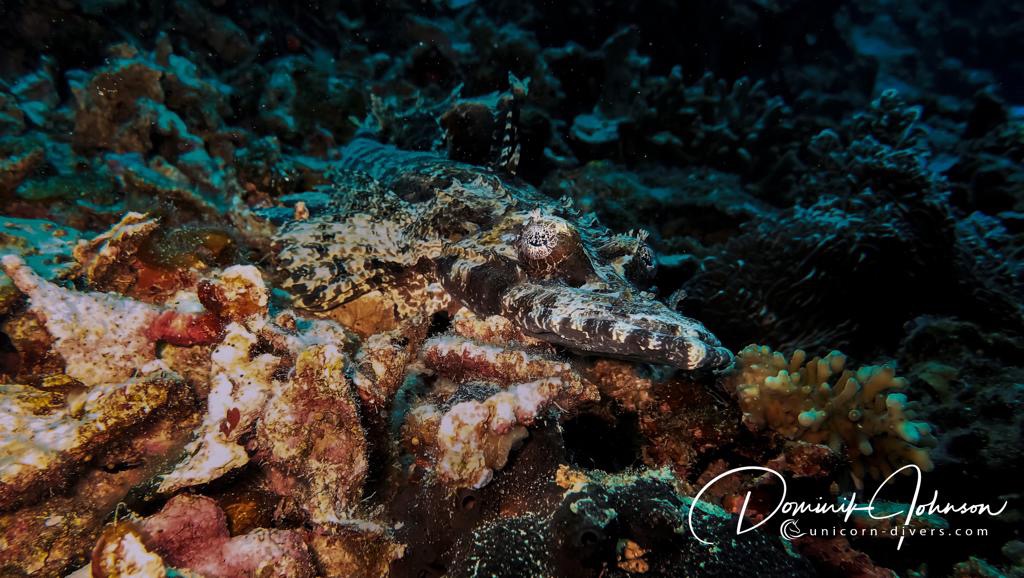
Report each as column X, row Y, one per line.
column 630, row 327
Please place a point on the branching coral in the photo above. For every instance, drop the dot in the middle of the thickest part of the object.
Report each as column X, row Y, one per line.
column 732, row 126
column 723, row 124
column 459, row 334
column 783, row 275
column 821, row 401
column 881, row 149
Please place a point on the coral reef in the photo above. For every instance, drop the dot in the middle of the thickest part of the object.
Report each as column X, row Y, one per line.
column 459, row 288
column 240, row 387
column 702, row 203
column 103, row 445
column 46, row 433
column 101, row 337
column 819, row 400
column 472, row 438
column 311, row 440
column 191, row 532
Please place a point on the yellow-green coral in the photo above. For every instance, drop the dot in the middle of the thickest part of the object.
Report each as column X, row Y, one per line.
column 821, row 401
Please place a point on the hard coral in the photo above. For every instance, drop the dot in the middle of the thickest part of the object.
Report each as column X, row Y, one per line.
column 880, row 149
column 45, row 434
column 304, row 429
column 311, row 440
column 104, row 257
column 698, row 202
column 784, row 274
column 241, row 384
column 501, row 391
column 728, row 125
column 191, row 532
column 122, row 553
column 102, row 337
column 94, row 461
column 821, row 401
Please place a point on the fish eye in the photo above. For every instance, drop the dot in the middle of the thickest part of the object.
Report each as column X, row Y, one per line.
column 538, row 240
column 549, row 247
column 546, row 238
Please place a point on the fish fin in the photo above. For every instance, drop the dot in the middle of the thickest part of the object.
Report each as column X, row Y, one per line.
column 506, row 137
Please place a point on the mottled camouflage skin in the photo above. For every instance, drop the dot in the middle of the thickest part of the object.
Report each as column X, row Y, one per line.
column 442, row 232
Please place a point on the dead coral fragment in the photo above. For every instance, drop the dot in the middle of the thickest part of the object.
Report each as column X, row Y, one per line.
column 105, row 257
column 381, row 364
column 44, row 434
column 307, row 431
column 191, row 532
column 101, row 337
column 238, row 294
column 121, row 552
column 310, row 434
column 474, row 438
column 240, row 387
column 820, row 401
column 357, row 550
column 471, row 438
column 51, row 537
column 622, row 382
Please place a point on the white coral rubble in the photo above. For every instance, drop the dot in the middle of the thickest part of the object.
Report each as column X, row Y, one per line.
column 101, row 337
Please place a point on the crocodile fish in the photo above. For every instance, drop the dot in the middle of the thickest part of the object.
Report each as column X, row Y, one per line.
column 443, row 233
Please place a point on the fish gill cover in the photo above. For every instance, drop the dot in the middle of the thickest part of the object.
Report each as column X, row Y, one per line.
column 514, row 289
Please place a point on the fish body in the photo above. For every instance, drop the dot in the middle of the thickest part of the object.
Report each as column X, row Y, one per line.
column 412, row 221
